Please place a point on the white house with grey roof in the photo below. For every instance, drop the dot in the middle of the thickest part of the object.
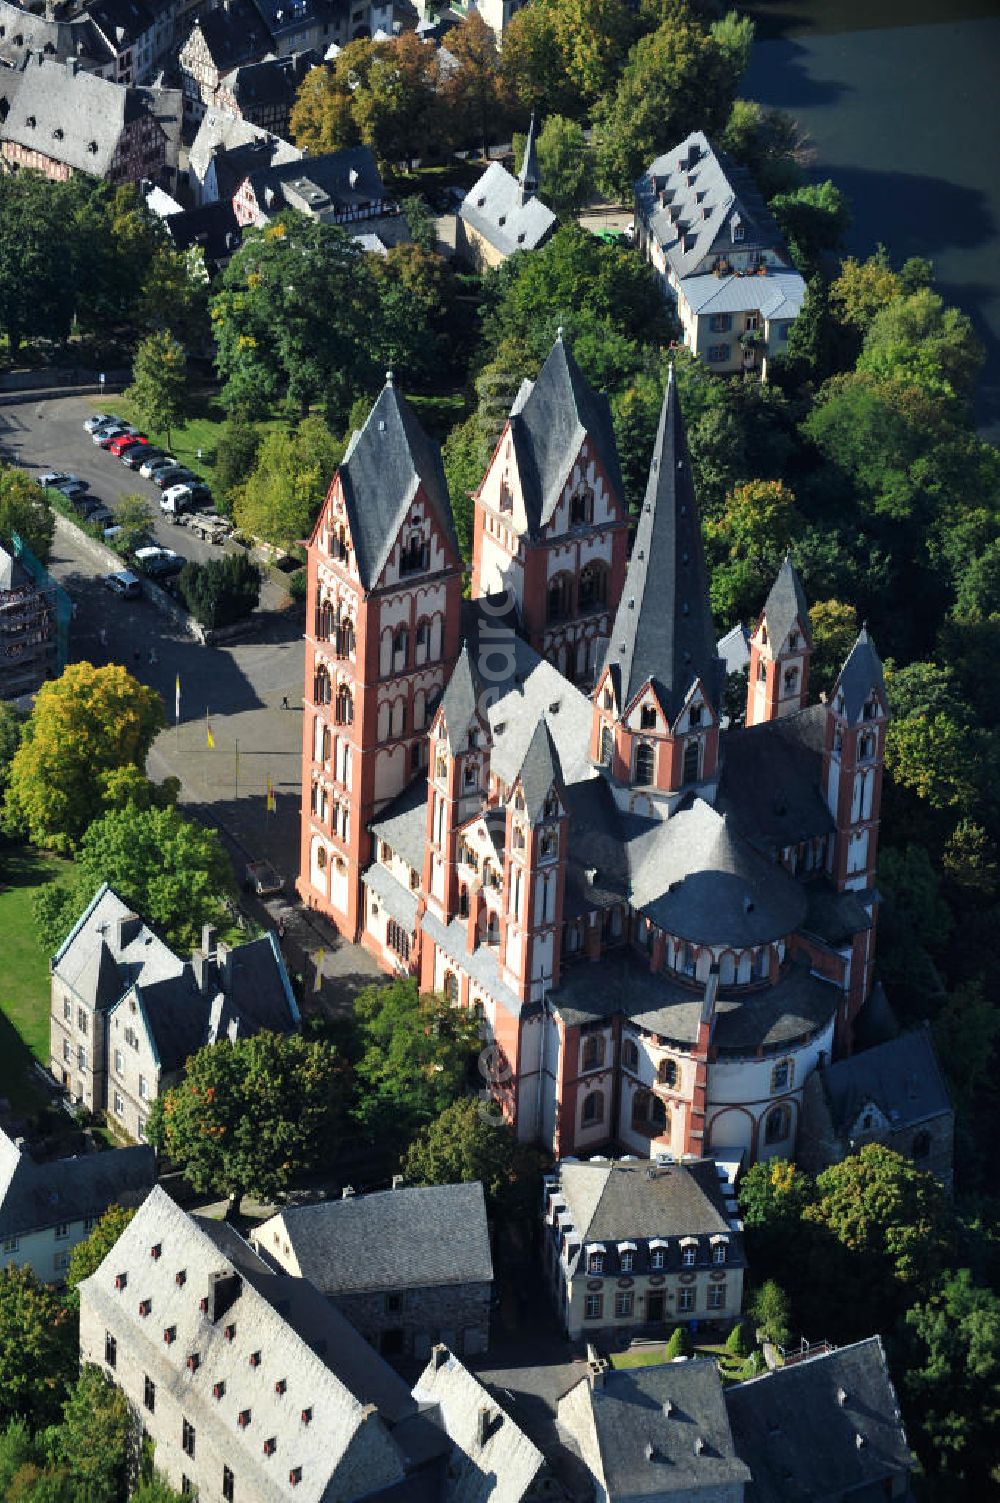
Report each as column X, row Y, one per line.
column 127, row 1013
column 502, row 214
column 631, row 1245
column 47, row 1208
column 409, row 1267
column 702, row 224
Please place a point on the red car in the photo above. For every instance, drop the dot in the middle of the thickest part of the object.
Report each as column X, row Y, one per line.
column 125, row 442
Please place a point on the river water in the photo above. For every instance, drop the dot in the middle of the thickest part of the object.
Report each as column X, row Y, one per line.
column 904, row 116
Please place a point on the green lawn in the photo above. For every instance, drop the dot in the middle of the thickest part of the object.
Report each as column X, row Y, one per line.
column 642, row 1356
column 24, row 985
column 201, row 432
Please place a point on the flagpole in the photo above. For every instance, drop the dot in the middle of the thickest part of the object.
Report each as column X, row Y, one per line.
column 236, row 779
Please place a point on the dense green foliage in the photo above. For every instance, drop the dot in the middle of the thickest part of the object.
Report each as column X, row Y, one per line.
column 38, row 1348
column 221, row 591
column 25, row 511
column 465, row 1143
column 88, row 1255
column 159, row 386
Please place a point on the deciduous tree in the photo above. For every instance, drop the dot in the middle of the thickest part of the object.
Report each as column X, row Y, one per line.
column 222, row 590
column 765, row 141
column 813, row 218
column 834, row 632
column 771, row 1310
column 25, row 511
column 97, row 1442
column 134, row 516
column 88, row 1255
column 473, row 98
column 282, row 496
column 38, row 1348
column 918, row 341
column 235, row 456
column 159, row 386
column 864, row 288
column 85, row 724
column 250, row 1114
column 465, row 1143
column 563, row 165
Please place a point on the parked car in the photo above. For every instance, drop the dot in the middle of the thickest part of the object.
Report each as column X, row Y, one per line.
column 125, row 441
column 155, row 459
column 99, row 420
column 101, row 516
column 165, row 479
column 105, row 437
column 72, row 489
column 85, row 504
column 159, row 563
column 123, row 583
column 54, row 478
column 136, row 456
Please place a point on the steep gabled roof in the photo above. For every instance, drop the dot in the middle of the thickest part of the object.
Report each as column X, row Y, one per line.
column 496, row 208
column 548, row 423
column 386, row 462
column 861, row 673
column 35, row 1196
column 539, row 770
column 902, row 1077
column 611, row 1201
column 459, row 701
column 663, row 631
column 786, row 604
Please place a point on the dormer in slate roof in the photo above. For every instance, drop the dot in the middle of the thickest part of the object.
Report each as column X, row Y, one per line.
column 861, row 685
column 780, row 651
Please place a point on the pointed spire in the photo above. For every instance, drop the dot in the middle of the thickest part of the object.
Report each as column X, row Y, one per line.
column 861, row 673
column 663, row 630
column 786, row 604
column 459, row 703
column 528, row 176
column 539, row 769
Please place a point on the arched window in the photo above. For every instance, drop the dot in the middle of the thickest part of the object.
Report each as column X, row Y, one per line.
column 761, row 964
column 325, row 620
column 450, row 987
column 691, row 760
column 727, row 969
column 344, row 637
column 593, row 586
column 644, row 764
column 791, row 680
column 649, row 1114
column 867, row 742
column 777, row 1124
column 492, row 935
column 322, row 688
column 607, row 745
column 761, row 671
column 647, row 717
column 666, row 1072
column 581, row 509
column 593, row 1108
column 921, row 1145
column 782, row 1076
column 686, row 960
column 415, row 555
column 630, row 1055
column 548, row 845
column 345, row 706
column 560, row 597
column 518, row 840
column 397, row 939
column 399, row 644
column 593, row 1051
column 463, row 902
column 551, row 806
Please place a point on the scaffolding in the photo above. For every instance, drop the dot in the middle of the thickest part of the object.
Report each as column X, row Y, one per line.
column 35, row 614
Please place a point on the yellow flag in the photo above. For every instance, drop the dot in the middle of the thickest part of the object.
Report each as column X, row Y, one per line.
column 211, row 738
column 270, row 795
column 318, row 982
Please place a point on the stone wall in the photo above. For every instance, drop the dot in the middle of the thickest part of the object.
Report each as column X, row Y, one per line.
column 408, row 1322
column 930, row 1145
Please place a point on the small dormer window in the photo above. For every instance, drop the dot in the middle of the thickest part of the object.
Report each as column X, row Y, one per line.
column 793, row 640
column 243, row 1419
column 180, row 1278
column 145, row 1307
column 155, row 1250
column 230, row 1333
column 170, row 1335
column 255, row 1359
column 194, row 1362
column 656, row 1257
column 307, row 1415
column 280, row 1386
column 719, row 1252
column 121, row 1280
column 595, row 1262
column 270, row 1445
column 295, row 1476
column 689, row 1255
column 218, row 1389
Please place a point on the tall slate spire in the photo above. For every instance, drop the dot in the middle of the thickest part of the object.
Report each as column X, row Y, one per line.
column 663, row 631
column 528, row 176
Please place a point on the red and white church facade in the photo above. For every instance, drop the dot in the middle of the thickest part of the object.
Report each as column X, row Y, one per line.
column 526, row 800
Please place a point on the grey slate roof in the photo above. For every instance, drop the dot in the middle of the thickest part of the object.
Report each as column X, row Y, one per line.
column 272, row 81
column 691, row 196
column 800, row 1441
column 36, row 1196
column 630, row 1417
column 834, row 917
column 143, row 957
column 385, row 464
column 122, row 22
column 25, row 36
column 615, row 1201
column 326, row 187
column 234, row 34
column 408, row 1238
column 902, row 1077
column 72, row 116
column 774, row 294
column 696, row 878
column 502, row 1469
column 539, row 770
column 402, row 824
column 861, row 673
column 495, row 207
column 399, row 901
column 769, row 785
column 786, row 605
column 213, row 226
column 345, row 1451
column 459, row 703
column 663, row 631
column 239, row 148
column 548, row 423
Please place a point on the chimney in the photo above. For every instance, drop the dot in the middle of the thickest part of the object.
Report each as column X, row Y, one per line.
column 439, row 1356
column 397, row 1181
column 482, row 1426
column 347, row 1193
column 209, row 939
column 126, row 930
column 223, row 1291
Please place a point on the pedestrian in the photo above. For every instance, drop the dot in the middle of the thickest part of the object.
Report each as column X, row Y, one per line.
column 103, row 636
column 284, row 702
column 281, row 933
column 152, row 657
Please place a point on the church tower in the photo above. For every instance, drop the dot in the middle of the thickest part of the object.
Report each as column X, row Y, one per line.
column 655, row 724
column 535, row 850
column 780, row 649
column 382, row 627
column 551, row 523
column 457, row 780
column 853, row 758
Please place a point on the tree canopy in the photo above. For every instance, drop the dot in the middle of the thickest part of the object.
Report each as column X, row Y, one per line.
column 159, row 386
column 87, row 1256
column 25, row 511
column 465, row 1143
column 38, row 1348
column 282, row 495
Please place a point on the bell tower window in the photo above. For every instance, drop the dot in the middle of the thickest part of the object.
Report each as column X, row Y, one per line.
column 607, row 745
column 647, row 718
column 645, row 764
column 691, row 760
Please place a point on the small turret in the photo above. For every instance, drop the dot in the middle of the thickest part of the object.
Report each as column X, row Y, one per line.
column 853, row 756
column 528, row 176
column 780, row 649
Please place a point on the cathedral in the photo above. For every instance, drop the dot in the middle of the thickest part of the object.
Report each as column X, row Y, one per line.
column 528, row 800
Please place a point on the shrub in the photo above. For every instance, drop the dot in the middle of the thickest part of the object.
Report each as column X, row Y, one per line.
column 298, row 584
column 738, row 1341
column 679, row 1344
column 222, row 591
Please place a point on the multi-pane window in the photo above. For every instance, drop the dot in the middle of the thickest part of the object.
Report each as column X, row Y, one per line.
column 689, row 1255
column 656, row 1257
column 595, row 1262
column 149, row 1394
column 595, row 1307
column 685, row 1300
column 118, row 1104
column 82, row 1019
column 717, row 1297
column 62, row 1230
column 119, row 1062
column 719, row 1252
column 623, row 1305
column 143, row 1088
column 67, row 1010
column 187, row 1437
column 717, row 353
column 627, row 1261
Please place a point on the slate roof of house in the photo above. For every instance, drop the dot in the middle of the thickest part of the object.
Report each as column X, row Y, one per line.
column 122, row 22
column 402, row 824
column 773, row 294
column 385, row 464
column 734, row 648
column 272, row 81
column 282, row 18
column 482, row 965
column 861, row 673
column 239, row 148
column 663, row 630
column 325, row 187
column 698, row 879
column 399, row 902
column 769, row 786
column 407, row 1238
column 25, row 36
column 501, row 1470
column 693, row 192
column 902, row 1077
column 36, row 1196
column 72, row 116
column 548, row 422
column 82, row 964
column 497, row 209
column 234, row 34
column 800, row 1439
column 648, row 1450
column 610, row 1202
column 213, row 226
column 345, row 1447
column 786, row 606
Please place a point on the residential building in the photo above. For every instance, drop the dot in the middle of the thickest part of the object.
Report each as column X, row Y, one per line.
column 46, row 1209
column 127, row 1012
column 502, row 214
column 61, row 120
column 128, row 28
column 631, row 1245
column 339, row 187
column 28, row 629
column 313, row 24
column 496, row 13
column 702, row 224
column 408, row 1267
column 225, row 150
column 663, row 923
column 220, row 40
column 24, row 34
column 212, row 227
column 253, row 1387
column 825, row 1428
column 655, row 1434
column 263, row 93
column 894, row 1094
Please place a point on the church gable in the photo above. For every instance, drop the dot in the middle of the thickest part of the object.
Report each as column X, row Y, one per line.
column 503, row 486
column 420, row 546
column 588, row 497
